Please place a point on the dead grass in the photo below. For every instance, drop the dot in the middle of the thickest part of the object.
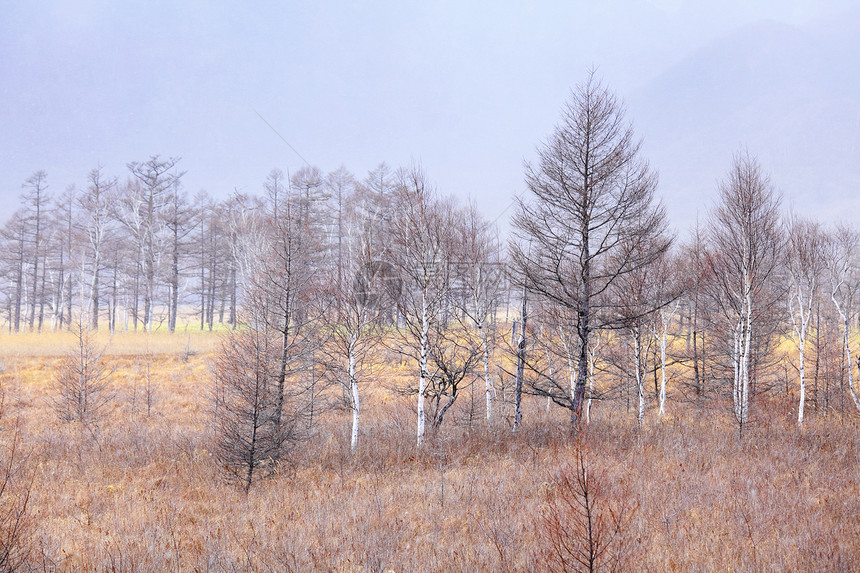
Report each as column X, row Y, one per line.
column 142, row 493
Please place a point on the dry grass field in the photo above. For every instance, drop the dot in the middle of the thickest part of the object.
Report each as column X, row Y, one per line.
column 141, row 492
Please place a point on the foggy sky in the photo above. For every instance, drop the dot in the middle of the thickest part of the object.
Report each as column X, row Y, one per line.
column 468, row 89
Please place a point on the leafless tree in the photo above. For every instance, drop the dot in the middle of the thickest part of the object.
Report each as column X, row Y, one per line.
column 64, row 258
column 289, row 273
column 590, row 194
column 180, row 219
column 746, row 243
column 14, row 236
column 365, row 288
column 251, row 432
column 693, row 263
column 142, row 213
column 82, row 381
column 645, row 302
column 36, row 199
column 479, row 274
column 17, row 522
column 94, row 205
column 261, row 391
column 421, row 251
column 805, row 264
column 843, row 270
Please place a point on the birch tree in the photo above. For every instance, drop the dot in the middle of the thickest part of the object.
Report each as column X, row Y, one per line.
column 366, row 286
column 143, row 215
column 94, row 206
column 479, row 271
column 805, row 264
column 746, row 241
column 668, row 288
column 843, row 271
column 421, row 250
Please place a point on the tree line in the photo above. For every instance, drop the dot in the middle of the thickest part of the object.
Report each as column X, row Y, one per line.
column 326, row 275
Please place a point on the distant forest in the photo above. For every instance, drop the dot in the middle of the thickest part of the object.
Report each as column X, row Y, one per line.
column 591, row 285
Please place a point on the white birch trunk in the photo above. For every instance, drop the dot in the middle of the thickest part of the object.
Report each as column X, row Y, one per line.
column 736, row 361
column 801, row 328
column 488, row 384
column 353, row 386
column 663, row 374
column 422, row 381
column 846, row 348
column 665, row 319
column 745, row 362
column 640, row 379
column 482, row 331
column 802, row 382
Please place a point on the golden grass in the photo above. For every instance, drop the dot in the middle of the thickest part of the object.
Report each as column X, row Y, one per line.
column 142, row 493
column 122, row 343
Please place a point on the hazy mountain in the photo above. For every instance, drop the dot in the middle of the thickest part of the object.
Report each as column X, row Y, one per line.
column 790, row 96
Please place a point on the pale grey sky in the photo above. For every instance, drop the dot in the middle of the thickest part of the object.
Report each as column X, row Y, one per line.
column 466, row 88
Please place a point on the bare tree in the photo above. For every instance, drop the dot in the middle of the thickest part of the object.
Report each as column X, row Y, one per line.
column 805, row 264
column 843, row 271
column 250, row 433
column 94, row 204
column 746, row 243
column 339, row 185
column 365, row 288
column 36, row 199
column 143, row 206
column 82, row 381
column 590, row 194
column 180, row 218
column 480, row 275
column 693, row 263
column 421, row 252
column 14, row 235
column 289, row 273
column 641, row 298
column 64, row 258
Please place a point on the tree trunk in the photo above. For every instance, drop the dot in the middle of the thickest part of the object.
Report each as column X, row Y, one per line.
column 353, row 386
column 521, row 360
column 422, row 380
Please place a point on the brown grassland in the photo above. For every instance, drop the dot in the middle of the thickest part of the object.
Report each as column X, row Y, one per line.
column 141, row 492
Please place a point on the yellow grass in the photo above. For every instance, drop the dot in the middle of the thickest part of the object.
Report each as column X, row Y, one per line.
column 142, row 493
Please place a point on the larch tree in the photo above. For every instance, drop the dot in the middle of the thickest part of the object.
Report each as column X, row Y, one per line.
column 14, row 235
column 589, row 194
column 63, row 259
column 180, row 219
column 36, row 201
column 143, row 215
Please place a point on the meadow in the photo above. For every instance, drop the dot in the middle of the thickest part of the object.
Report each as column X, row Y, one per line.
column 141, row 490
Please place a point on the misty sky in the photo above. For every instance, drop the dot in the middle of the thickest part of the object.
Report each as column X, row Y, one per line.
column 468, row 89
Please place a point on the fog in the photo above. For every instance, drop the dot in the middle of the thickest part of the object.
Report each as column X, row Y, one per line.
column 468, row 91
